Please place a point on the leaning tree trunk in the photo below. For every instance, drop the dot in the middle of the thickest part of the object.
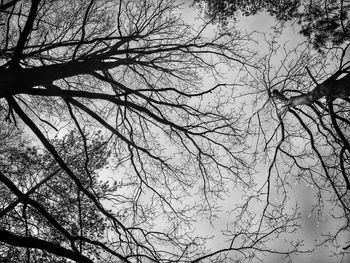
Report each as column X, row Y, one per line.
column 330, row 88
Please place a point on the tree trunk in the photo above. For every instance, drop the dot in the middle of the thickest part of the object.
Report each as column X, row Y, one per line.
column 18, row 80
column 330, row 88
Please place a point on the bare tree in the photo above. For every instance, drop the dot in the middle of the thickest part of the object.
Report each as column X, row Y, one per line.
column 133, row 69
column 175, row 146
column 300, row 125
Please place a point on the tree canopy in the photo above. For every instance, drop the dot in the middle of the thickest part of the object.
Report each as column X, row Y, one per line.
column 35, row 172
column 131, row 69
column 324, row 22
column 125, row 129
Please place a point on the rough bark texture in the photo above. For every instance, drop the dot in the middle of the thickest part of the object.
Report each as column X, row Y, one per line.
column 330, row 88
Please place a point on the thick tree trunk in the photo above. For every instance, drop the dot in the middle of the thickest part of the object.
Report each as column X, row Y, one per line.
column 17, row 80
column 330, row 88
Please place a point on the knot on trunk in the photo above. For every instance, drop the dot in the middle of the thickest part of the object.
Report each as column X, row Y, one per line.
column 278, row 95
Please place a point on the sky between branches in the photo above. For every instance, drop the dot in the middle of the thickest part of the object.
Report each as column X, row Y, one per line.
column 304, row 195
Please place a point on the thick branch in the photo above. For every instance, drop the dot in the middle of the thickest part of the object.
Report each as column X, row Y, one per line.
column 25, row 33
column 7, row 5
column 32, row 242
column 14, row 81
column 17, row 201
column 330, row 88
column 10, row 185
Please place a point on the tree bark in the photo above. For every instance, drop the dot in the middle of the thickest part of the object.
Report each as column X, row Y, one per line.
column 330, row 88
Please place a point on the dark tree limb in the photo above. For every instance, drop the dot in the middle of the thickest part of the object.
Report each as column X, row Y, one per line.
column 9, row 4
column 32, row 242
column 332, row 87
column 25, row 199
column 118, row 225
column 25, row 34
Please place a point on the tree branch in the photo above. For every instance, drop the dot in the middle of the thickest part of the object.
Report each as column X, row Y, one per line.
column 25, row 34
column 32, row 242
